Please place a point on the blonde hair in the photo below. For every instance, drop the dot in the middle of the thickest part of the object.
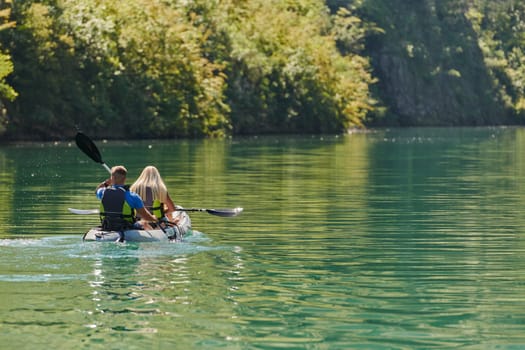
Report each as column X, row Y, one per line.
column 150, row 178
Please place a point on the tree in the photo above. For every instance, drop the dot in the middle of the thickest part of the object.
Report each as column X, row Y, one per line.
column 169, row 68
column 286, row 73
column 7, row 93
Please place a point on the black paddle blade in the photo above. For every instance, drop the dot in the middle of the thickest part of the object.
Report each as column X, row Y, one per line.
column 225, row 212
column 218, row 212
column 88, row 147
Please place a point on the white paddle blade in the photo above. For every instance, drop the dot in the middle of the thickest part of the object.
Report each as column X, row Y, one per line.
column 83, row 211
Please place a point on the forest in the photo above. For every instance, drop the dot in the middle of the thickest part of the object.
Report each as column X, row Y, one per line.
column 215, row 68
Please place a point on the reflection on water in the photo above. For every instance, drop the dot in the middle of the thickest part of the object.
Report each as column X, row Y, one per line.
column 395, row 239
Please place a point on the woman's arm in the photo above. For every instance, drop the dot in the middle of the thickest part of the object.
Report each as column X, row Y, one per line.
column 169, row 203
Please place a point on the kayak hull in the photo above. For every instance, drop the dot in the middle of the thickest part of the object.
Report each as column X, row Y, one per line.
column 170, row 233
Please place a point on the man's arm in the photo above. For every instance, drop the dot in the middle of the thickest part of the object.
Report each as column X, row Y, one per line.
column 103, row 184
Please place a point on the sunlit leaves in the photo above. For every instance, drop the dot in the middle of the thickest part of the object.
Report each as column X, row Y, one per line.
column 501, row 29
column 164, row 46
column 39, row 22
column 168, row 68
column 91, row 24
column 286, row 49
column 6, row 66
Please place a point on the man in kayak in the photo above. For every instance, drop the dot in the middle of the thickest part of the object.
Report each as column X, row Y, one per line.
column 119, row 204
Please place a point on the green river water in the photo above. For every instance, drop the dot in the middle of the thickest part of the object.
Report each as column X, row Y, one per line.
column 391, row 239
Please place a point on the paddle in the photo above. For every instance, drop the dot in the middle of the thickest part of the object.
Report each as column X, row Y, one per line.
column 83, row 211
column 217, row 212
column 90, row 149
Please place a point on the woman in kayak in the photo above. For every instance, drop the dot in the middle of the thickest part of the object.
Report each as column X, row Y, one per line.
column 154, row 193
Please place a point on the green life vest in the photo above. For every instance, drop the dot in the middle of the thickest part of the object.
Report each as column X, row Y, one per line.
column 115, row 212
column 155, row 207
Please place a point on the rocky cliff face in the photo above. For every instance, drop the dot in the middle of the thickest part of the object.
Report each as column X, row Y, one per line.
column 431, row 70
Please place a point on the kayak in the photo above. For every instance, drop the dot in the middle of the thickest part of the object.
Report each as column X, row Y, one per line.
column 174, row 232
column 170, row 233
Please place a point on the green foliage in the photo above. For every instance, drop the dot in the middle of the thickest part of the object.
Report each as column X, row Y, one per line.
column 160, row 57
column 286, row 74
column 501, row 29
column 41, row 73
column 168, row 68
column 193, row 68
column 7, row 93
column 430, row 68
column 6, row 68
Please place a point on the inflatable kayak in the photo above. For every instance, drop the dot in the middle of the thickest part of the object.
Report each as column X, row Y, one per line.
column 169, row 233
